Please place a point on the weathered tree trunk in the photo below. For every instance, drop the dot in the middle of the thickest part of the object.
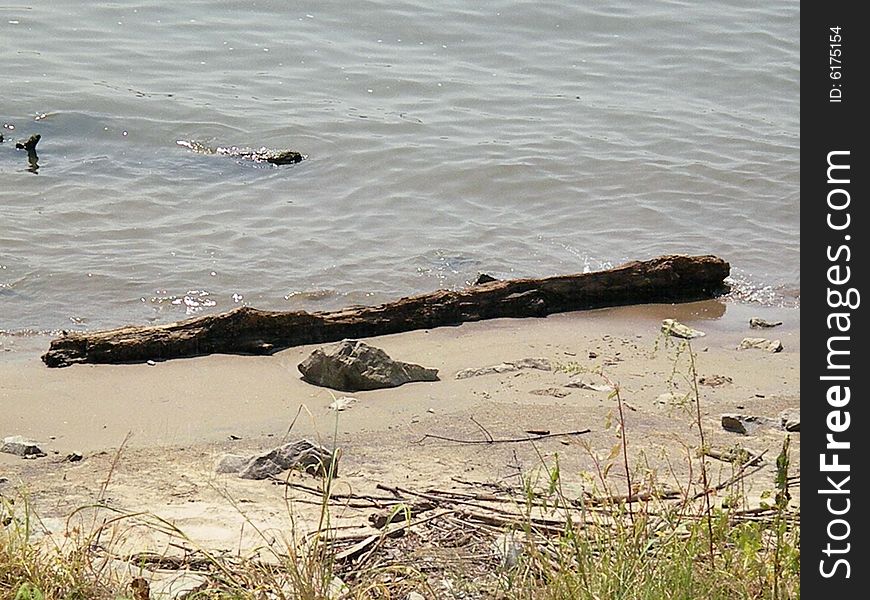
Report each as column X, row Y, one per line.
column 250, row 331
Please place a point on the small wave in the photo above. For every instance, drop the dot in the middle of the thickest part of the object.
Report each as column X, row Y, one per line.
column 193, row 302
column 744, row 289
column 28, row 333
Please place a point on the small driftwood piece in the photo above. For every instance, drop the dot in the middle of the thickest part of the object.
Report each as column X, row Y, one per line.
column 491, row 440
column 247, row 330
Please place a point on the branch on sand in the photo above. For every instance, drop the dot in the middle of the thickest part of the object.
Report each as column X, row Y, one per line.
column 247, row 330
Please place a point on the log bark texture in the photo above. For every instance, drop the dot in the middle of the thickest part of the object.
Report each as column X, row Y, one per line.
column 247, row 330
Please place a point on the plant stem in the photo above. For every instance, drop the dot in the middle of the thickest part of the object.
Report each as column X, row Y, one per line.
column 625, row 453
column 694, row 374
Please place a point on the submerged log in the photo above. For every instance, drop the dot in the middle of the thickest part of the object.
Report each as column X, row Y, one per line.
column 250, row 331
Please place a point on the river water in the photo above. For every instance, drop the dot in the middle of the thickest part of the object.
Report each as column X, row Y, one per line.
column 442, row 139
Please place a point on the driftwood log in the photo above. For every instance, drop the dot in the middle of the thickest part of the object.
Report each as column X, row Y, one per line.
column 250, row 331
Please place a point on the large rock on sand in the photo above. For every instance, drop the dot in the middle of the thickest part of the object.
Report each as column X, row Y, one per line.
column 351, row 366
column 302, row 455
column 21, row 446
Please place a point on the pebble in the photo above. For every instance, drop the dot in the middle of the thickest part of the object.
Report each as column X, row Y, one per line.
column 765, row 344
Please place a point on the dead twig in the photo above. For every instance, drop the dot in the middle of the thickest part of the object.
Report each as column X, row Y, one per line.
column 502, row 440
column 741, row 474
column 483, row 429
column 735, row 455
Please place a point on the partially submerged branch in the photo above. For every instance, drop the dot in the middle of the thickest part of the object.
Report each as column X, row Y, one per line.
column 250, row 331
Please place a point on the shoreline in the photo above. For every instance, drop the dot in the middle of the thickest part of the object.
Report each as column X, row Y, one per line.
column 183, row 412
column 212, row 389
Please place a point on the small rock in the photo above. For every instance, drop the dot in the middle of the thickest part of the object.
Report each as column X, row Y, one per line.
column 734, row 423
column 592, row 354
column 150, row 363
column 715, row 380
column 676, row 329
column 4, row 480
column 542, row 364
column 790, row 421
column 578, row 382
column 74, row 457
column 746, row 424
column 757, row 323
column 765, row 344
column 351, row 366
column 430, row 410
column 20, row 446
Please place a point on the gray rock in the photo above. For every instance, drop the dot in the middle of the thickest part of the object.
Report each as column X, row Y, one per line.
column 231, row 463
column 302, row 455
column 735, row 423
column 20, row 446
column 757, row 323
column 791, row 421
column 765, row 344
column 542, row 364
column 351, row 366
column 746, row 424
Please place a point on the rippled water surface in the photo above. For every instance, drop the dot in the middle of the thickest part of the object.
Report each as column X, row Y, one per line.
column 443, row 139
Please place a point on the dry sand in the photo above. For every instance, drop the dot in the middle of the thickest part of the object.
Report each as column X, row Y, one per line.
column 180, row 415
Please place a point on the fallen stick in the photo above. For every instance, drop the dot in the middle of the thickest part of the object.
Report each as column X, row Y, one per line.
column 552, row 526
column 740, row 456
column 247, row 330
column 742, row 473
column 625, row 499
column 491, row 440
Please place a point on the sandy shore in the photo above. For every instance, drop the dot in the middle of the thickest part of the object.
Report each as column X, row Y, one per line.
column 180, row 415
